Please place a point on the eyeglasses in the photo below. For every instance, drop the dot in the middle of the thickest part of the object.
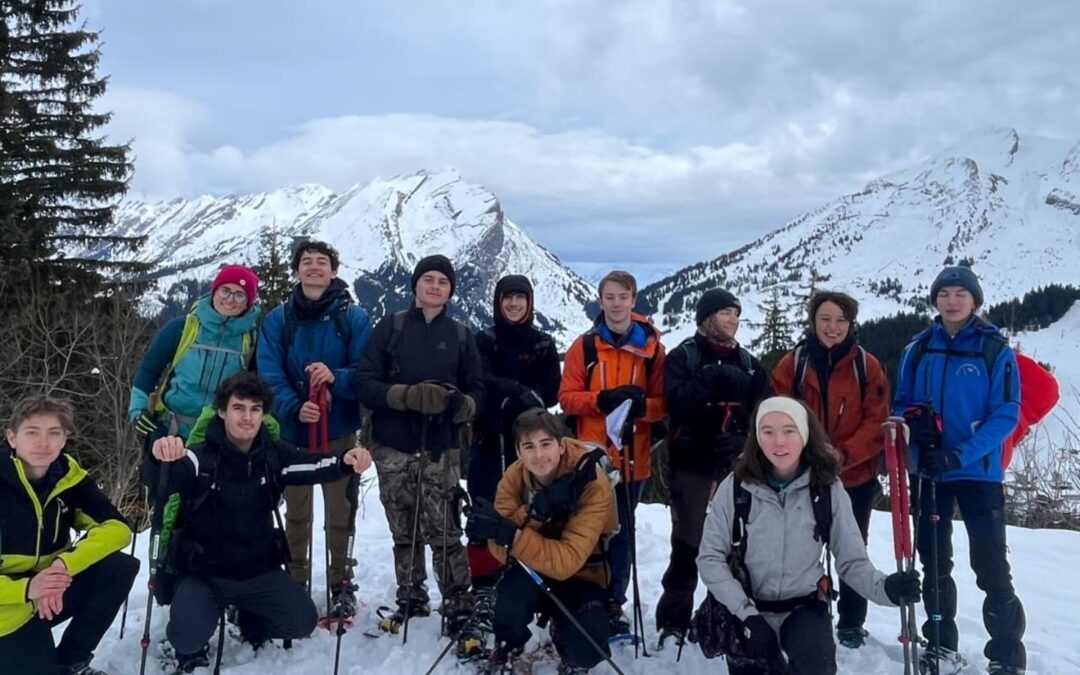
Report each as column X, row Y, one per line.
column 236, row 296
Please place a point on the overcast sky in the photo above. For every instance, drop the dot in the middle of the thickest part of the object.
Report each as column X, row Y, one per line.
column 664, row 131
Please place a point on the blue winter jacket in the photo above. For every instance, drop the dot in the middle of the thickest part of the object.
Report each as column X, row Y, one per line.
column 216, row 354
column 315, row 339
column 978, row 409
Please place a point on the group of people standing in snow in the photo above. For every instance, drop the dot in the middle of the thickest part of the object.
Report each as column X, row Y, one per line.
column 765, row 471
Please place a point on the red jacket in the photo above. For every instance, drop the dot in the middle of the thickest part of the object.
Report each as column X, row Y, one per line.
column 615, row 367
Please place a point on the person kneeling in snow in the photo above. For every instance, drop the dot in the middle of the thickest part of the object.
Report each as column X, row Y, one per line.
column 44, row 578
column 226, row 548
column 552, row 507
column 775, row 592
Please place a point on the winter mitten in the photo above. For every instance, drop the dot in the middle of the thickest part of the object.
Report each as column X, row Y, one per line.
column 429, row 398
column 527, row 398
column 462, row 407
column 903, row 587
column 487, row 523
column 729, row 445
column 609, row 399
column 396, row 397
column 937, row 462
column 559, row 497
column 727, row 381
column 760, row 639
column 924, row 426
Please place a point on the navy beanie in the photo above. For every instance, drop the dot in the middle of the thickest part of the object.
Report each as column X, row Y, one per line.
column 714, row 300
column 434, row 263
column 957, row 275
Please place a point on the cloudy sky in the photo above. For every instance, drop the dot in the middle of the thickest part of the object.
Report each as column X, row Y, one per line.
column 663, row 131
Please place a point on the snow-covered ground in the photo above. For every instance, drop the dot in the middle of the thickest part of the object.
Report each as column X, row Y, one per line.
column 1038, row 557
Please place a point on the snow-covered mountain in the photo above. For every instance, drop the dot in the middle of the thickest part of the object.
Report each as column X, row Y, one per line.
column 1009, row 203
column 381, row 229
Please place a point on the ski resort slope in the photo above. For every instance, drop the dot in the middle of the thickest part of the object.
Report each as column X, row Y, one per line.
column 1039, row 557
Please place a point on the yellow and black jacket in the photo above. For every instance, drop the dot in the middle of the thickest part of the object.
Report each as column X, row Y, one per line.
column 33, row 532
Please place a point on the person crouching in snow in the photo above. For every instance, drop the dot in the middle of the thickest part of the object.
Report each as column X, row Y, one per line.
column 44, row 578
column 781, row 611
column 228, row 551
column 552, row 507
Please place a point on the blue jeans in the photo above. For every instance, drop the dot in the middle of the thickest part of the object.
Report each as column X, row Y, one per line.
column 619, row 545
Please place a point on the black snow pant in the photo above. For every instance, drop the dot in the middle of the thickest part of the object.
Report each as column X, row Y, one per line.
column 688, row 496
column 91, row 603
column 519, row 598
column 982, row 506
column 276, row 607
column 851, row 607
column 806, row 638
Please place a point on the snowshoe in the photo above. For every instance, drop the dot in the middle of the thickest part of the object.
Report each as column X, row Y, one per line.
column 499, row 661
column 82, row 669
column 676, row 635
column 624, row 639
column 999, row 668
column 567, row 669
column 852, row 638
column 940, row 661
column 484, row 608
column 342, row 606
column 392, row 621
column 618, row 622
column 187, row 663
column 470, row 639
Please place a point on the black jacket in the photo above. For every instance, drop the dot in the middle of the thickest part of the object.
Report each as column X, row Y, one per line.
column 708, row 415
column 423, row 351
column 227, row 521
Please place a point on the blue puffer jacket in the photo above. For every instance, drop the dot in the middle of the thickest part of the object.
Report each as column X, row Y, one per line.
column 978, row 410
column 216, row 354
column 314, row 340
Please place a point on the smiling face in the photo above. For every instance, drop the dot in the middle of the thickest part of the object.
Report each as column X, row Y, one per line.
column 230, row 300
column 541, row 452
column 722, row 325
column 315, row 272
column 38, row 441
column 243, row 418
column 781, row 444
column 432, row 290
column 830, row 324
column 956, row 304
column 514, row 306
column 617, row 301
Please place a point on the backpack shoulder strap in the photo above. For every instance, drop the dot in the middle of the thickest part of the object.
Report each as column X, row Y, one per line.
column 590, row 356
column 288, row 328
column 693, row 354
column 397, row 326
column 342, row 325
column 746, row 361
column 743, row 500
column 188, row 334
column 207, row 476
column 821, row 501
column 801, row 356
column 860, row 371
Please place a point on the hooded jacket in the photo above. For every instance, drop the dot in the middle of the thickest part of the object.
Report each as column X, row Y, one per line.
column 36, row 531
column 618, row 363
column 574, row 551
column 831, row 388
column 316, row 339
column 516, row 358
column 216, row 354
column 979, row 410
column 782, row 557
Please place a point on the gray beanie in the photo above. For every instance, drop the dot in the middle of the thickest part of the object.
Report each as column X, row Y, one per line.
column 957, row 275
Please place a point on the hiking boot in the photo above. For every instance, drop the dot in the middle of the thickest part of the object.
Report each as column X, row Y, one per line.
column 618, row 622
column 852, row 638
column 567, row 669
column 252, row 631
column 483, row 608
column 187, row 663
column 940, row 661
column 678, row 635
column 81, row 669
column 500, row 661
column 999, row 668
column 343, row 600
column 391, row 622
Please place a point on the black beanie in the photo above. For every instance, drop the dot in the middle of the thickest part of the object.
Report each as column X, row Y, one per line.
column 434, row 263
column 712, row 301
column 513, row 283
column 960, row 276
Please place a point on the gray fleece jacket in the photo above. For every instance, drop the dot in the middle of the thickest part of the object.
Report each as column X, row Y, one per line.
column 782, row 556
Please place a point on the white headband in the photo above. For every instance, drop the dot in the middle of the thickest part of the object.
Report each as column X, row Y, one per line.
column 790, row 407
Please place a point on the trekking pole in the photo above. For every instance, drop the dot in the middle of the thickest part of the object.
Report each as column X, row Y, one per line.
column 351, row 490
column 317, row 442
column 901, row 534
column 421, row 457
column 906, row 509
column 134, row 539
column 155, row 562
column 935, row 528
column 566, row 612
column 628, row 456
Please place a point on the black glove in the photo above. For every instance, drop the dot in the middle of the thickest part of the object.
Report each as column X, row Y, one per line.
column 760, row 639
column 903, row 587
column 145, row 424
column 563, row 494
column 609, row 399
column 725, row 379
column 936, row 462
column 487, row 523
column 924, row 425
column 729, row 444
column 526, row 398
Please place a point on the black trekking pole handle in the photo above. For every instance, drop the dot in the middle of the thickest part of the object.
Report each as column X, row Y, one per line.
column 566, row 612
column 155, row 561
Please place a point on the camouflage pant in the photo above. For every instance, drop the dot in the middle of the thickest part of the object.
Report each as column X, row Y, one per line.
column 439, row 526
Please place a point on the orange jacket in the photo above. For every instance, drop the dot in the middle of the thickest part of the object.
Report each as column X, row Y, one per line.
column 854, row 423
column 615, row 367
column 579, row 540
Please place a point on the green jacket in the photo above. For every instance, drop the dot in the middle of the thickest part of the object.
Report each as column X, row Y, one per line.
column 33, row 532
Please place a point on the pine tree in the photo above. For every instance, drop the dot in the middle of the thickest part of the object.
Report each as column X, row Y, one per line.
column 272, row 267
column 59, row 179
column 776, row 331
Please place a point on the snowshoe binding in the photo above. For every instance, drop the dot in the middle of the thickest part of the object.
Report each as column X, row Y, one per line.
column 674, row 634
column 82, row 669
column 940, row 661
column 499, row 661
column 618, row 622
column 852, row 638
column 392, row 621
column 187, row 663
column 342, row 605
column 999, row 668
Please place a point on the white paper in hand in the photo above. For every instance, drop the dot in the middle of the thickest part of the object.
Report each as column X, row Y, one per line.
column 615, row 422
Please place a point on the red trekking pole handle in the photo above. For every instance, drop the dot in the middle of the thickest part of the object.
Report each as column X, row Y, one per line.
column 318, row 432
